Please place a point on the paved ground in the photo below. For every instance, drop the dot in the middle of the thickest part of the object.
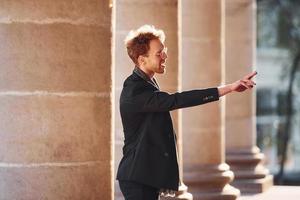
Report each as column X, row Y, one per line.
column 276, row 193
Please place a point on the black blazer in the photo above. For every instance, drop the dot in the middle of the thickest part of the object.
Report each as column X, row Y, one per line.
column 149, row 152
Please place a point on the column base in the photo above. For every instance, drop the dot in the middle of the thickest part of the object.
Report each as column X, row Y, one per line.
column 210, row 182
column 254, row 185
column 250, row 174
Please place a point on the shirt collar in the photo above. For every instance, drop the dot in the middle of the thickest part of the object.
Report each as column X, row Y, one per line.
column 144, row 76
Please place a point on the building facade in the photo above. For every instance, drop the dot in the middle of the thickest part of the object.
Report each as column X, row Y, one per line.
column 62, row 68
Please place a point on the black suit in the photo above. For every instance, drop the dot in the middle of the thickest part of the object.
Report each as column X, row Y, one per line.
column 149, row 153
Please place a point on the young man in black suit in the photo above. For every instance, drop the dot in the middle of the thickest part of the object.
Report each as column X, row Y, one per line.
column 149, row 164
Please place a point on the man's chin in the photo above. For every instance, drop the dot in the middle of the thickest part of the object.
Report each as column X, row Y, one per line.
column 161, row 71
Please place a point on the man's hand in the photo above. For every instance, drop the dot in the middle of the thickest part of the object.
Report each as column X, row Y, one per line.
column 244, row 83
column 238, row 86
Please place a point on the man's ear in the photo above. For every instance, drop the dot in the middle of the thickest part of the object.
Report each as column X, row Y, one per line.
column 141, row 60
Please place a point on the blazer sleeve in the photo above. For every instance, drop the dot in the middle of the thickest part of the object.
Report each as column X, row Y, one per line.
column 158, row 101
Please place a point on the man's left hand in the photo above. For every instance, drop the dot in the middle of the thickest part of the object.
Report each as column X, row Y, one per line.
column 244, row 83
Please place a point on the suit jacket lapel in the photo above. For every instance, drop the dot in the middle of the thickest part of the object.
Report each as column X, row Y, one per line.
column 155, row 82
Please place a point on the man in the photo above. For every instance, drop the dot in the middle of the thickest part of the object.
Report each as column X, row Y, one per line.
column 149, row 162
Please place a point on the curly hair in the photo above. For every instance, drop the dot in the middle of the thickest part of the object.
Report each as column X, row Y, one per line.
column 138, row 41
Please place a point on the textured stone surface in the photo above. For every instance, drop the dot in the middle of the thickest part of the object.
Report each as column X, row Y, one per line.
column 206, row 120
column 203, row 135
column 200, row 25
column 238, row 127
column 54, row 129
column 75, row 11
column 240, row 58
column 201, row 60
column 240, row 40
column 54, row 57
column 55, row 100
column 86, row 181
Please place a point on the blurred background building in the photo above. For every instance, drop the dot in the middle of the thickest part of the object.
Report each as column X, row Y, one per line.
column 278, row 117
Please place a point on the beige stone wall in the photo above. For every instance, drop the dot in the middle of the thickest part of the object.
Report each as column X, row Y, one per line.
column 55, row 100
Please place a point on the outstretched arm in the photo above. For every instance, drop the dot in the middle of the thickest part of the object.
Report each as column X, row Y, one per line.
column 158, row 101
column 239, row 85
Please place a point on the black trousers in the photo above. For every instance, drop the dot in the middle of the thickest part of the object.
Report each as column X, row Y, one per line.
column 137, row 191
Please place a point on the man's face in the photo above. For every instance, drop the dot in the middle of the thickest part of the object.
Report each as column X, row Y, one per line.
column 154, row 62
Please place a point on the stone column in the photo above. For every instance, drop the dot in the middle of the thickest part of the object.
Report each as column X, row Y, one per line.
column 242, row 154
column 55, row 100
column 205, row 171
column 131, row 14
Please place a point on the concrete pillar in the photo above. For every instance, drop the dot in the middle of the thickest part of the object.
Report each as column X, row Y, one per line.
column 242, row 154
column 55, row 100
column 205, row 171
column 131, row 14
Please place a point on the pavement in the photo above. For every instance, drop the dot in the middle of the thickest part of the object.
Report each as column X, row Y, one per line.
column 276, row 193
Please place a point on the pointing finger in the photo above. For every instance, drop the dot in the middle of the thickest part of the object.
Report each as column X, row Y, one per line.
column 251, row 75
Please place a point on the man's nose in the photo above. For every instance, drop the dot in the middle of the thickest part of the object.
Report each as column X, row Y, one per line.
column 164, row 55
